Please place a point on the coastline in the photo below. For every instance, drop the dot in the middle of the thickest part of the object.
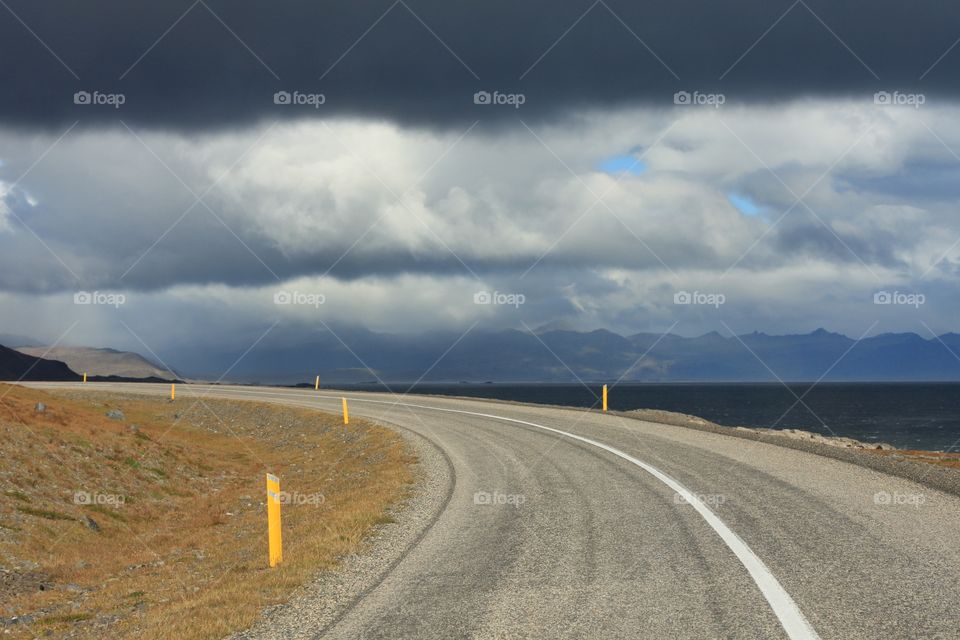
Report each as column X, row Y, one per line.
column 936, row 470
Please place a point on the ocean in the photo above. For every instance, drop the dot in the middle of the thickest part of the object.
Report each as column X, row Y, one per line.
column 907, row 415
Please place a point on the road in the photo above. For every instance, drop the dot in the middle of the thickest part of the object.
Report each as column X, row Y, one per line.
column 566, row 523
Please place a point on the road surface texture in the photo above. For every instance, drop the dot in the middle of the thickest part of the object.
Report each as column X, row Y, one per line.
column 567, row 523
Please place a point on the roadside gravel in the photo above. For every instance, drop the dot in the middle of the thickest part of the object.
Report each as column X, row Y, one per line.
column 894, row 463
column 319, row 605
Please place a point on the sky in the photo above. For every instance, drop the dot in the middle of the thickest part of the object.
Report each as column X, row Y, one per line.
column 208, row 170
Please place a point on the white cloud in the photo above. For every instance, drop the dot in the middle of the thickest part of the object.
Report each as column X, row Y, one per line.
column 394, row 211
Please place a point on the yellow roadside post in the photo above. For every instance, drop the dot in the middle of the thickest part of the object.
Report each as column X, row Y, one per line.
column 316, row 387
column 346, row 413
column 273, row 520
column 604, row 397
column 84, row 378
column 173, row 391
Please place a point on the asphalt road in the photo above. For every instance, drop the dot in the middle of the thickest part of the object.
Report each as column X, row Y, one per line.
column 564, row 523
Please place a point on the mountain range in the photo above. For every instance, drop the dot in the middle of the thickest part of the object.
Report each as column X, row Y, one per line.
column 68, row 364
column 358, row 355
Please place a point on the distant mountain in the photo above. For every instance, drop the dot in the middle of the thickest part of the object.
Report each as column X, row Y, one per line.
column 15, row 341
column 20, row 366
column 564, row 356
column 102, row 362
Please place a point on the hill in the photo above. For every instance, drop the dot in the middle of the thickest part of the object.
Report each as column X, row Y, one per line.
column 103, row 362
column 15, row 365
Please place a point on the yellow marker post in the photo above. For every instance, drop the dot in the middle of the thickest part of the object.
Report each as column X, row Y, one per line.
column 84, row 378
column 346, row 413
column 273, row 520
column 604, row 397
column 317, row 386
column 173, row 392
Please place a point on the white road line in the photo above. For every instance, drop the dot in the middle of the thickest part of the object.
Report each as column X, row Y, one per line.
column 784, row 607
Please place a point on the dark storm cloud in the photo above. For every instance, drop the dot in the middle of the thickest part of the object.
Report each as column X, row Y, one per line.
column 195, row 64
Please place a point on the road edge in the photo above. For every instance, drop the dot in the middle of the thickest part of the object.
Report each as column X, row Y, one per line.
column 928, row 475
column 319, row 605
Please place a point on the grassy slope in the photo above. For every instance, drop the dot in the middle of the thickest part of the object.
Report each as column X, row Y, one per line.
column 184, row 555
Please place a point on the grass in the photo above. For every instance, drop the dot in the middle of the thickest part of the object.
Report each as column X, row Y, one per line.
column 43, row 513
column 936, row 458
column 179, row 547
column 58, row 620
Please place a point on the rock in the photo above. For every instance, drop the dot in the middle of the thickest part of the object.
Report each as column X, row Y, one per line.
column 40, row 408
column 115, row 414
column 133, row 428
column 91, row 524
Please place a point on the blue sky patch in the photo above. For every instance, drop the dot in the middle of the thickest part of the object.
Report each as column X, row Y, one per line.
column 744, row 205
column 623, row 164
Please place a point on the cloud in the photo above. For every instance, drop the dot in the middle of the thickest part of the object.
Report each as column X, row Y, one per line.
column 218, row 64
column 399, row 227
column 350, row 198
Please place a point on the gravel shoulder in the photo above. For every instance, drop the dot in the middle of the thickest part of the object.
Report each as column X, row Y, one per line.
column 321, row 604
column 923, row 468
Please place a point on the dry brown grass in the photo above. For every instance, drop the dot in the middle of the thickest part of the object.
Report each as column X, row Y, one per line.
column 937, row 458
column 185, row 555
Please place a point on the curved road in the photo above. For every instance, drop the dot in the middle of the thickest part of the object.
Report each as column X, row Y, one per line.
column 565, row 523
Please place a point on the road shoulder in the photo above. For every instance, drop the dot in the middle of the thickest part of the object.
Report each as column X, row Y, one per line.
column 318, row 606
